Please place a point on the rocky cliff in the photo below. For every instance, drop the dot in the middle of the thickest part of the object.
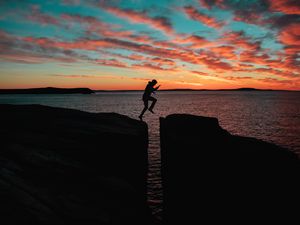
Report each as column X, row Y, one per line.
column 210, row 176
column 63, row 166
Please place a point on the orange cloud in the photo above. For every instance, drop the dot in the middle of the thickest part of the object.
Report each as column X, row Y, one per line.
column 290, row 35
column 85, row 44
column 224, row 52
column 248, row 17
column 158, row 23
column 111, row 62
column 162, row 61
column 194, row 14
column 285, row 6
column 151, row 66
column 239, row 40
column 195, row 41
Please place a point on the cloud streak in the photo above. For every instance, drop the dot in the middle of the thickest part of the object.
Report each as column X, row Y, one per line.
column 158, row 23
column 194, row 14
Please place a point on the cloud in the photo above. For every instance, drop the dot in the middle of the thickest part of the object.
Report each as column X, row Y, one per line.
column 151, row 66
column 188, row 83
column 85, row 44
column 95, row 44
column 200, row 73
column 16, row 49
column 93, row 23
column 280, row 21
column 290, row 35
column 237, row 78
column 32, row 58
column 158, row 23
column 44, row 19
column 194, row 14
column 248, row 16
column 208, row 4
column 98, row 77
column 73, row 76
column 224, row 51
column 278, row 73
column 285, row 6
column 104, row 29
column 238, row 39
column 111, row 62
column 194, row 41
column 162, row 61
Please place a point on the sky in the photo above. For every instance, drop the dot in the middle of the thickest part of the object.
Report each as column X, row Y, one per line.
column 116, row 44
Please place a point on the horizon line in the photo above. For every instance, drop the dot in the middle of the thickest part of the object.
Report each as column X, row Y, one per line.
column 170, row 89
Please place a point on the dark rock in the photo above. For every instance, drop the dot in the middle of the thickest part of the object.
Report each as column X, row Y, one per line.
column 210, row 176
column 63, row 166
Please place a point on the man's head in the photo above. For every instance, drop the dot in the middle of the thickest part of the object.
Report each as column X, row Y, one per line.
column 154, row 82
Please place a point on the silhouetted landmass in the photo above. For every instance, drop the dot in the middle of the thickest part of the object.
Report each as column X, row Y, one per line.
column 209, row 175
column 48, row 90
column 53, row 90
column 63, row 166
column 187, row 89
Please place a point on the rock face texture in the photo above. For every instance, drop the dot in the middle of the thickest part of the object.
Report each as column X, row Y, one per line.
column 212, row 176
column 63, row 166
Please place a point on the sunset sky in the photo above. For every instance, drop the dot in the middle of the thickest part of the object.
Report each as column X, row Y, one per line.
column 199, row 44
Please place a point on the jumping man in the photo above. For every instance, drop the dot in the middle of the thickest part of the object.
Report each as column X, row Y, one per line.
column 147, row 97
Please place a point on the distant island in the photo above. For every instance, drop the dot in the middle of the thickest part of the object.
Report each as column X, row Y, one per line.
column 187, row 89
column 47, row 90
column 54, row 90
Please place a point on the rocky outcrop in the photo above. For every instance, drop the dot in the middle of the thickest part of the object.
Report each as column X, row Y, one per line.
column 63, row 166
column 210, row 176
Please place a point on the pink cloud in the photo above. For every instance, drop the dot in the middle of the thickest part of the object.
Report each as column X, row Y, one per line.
column 290, row 35
column 162, row 61
column 158, row 23
column 248, row 17
column 195, row 41
column 239, row 40
column 37, row 16
column 94, row 25
column 223, row 51
column 285, row 6
column 99, row 44
column 194, row 14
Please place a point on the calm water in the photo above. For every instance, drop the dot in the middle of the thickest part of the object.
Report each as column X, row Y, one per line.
column 271, row 116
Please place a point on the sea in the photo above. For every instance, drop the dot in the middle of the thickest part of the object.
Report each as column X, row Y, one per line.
column 273, row 116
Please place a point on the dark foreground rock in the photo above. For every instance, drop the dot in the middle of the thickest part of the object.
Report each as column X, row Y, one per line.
column 213, row 177
column 63, row 166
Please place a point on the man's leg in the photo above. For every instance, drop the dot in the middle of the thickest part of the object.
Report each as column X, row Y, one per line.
column 154, row 100
column 144, row 109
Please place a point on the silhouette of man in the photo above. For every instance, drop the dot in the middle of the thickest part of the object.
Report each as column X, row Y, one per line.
column 147, row 97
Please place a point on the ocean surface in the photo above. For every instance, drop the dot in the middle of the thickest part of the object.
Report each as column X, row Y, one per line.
column 273, row 116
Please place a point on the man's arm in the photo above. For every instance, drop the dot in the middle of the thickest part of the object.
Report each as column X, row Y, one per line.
column 154, row 89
